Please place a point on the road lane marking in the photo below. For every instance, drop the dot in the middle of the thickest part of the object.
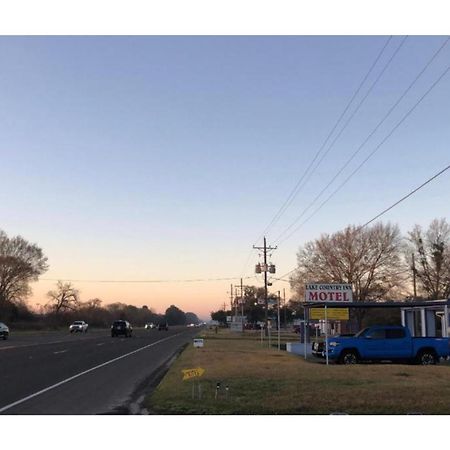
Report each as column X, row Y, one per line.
column 61, row 351
column 67, row 380
column 101, row 343
column 47, row 343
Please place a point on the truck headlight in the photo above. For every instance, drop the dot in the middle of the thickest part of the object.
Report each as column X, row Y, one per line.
column 333, row 344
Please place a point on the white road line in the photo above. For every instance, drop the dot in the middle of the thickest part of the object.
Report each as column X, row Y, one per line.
column 29, row 397
column 45, row 343
column 101, row 343
column 61, row 351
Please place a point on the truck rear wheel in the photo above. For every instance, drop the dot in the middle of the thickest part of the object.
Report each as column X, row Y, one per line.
column 349, row 357
column 426, row 358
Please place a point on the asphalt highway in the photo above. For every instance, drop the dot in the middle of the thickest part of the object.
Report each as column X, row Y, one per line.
column 89, row 373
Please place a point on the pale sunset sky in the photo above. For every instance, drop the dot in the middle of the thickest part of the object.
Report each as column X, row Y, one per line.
column 165, row 158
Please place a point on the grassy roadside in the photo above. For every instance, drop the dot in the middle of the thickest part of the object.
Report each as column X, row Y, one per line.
column 265, row 381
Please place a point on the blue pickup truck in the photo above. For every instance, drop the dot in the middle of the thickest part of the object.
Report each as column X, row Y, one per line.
column 384, row 343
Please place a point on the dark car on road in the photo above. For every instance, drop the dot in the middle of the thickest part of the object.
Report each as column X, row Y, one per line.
column 4, row 331
column 163, row 326
column 121, row 327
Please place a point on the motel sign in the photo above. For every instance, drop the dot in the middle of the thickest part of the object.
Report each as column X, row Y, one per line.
column 328, row 292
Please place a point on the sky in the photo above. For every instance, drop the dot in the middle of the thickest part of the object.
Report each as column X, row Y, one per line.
column 165, row 158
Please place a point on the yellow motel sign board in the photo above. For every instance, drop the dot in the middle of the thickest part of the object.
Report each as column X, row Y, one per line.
column 192, row 373
column 332, row 313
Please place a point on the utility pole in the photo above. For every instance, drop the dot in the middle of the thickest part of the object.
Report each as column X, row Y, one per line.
column 278, row 322
column 284, row 306
column 231, row 297
column 414, row 276
column 265, row 269
column 242, row 304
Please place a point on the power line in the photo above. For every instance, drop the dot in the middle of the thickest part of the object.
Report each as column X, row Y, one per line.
column 367, row 158
column 297, row 187
column 194, row 280
column 405, row 116
column 405, row 197
column 310, row 173
column 299, row 184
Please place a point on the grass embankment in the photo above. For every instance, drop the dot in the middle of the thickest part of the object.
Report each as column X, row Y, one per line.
column 266, row 381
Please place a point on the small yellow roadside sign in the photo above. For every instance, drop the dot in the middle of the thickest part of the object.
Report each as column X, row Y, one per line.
column 332, row 313
column 192, row 373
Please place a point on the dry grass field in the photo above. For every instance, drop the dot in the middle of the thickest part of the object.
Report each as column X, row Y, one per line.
column 266, row 381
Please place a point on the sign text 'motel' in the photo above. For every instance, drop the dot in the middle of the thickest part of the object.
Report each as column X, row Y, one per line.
column 339, row 293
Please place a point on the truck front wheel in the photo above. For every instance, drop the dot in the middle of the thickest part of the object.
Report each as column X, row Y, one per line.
column 348, row 357
column 426, row 358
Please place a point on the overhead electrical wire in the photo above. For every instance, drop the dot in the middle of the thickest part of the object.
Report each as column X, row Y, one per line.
column 384, row 212
column 311, row 172
column 366, row 159
column 194, row 280
column 298, row 185
column 280, row 238
column 307, row 171
column 405, row 197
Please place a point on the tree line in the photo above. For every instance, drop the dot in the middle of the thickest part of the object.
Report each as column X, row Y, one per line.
column 378, row 261
column 22, row 262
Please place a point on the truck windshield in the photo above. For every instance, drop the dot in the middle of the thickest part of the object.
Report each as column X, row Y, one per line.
column 362, row 333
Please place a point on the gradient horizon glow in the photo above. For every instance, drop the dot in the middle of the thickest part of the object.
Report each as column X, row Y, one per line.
column 146, row 158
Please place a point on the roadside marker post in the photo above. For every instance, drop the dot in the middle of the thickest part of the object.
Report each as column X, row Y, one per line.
column 279, row 346
column 304, row 336
column 326, row 333
column 217, row 390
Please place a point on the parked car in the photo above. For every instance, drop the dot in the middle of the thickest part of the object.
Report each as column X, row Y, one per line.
column 4, row 331
column 121, row 327
column 163, row 326
column 149, row 326
column 385, row 343
column 79, row 326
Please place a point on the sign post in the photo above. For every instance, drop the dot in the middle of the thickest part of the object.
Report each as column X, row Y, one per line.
column 326, row 334
column 191, row 374
column 279, row 346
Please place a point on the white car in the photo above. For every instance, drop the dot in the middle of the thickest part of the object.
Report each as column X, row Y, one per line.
column 79, row 326
column 149, row 326
column 4, row 331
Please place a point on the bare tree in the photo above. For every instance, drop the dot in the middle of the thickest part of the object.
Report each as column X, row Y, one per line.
column 369, row 259
column 20, row 264
column 64, row 297
column 432, row 254
column 93, row 303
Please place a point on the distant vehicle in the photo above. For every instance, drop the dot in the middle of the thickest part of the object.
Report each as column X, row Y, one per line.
column 379, row 343
column 149, row 326
column 4, row 331
column 191, row 325
column 163, row 326
column 79, row 326
column 121, row 327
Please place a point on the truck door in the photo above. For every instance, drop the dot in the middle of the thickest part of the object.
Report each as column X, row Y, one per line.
column 398, row 345
column 375, row 344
